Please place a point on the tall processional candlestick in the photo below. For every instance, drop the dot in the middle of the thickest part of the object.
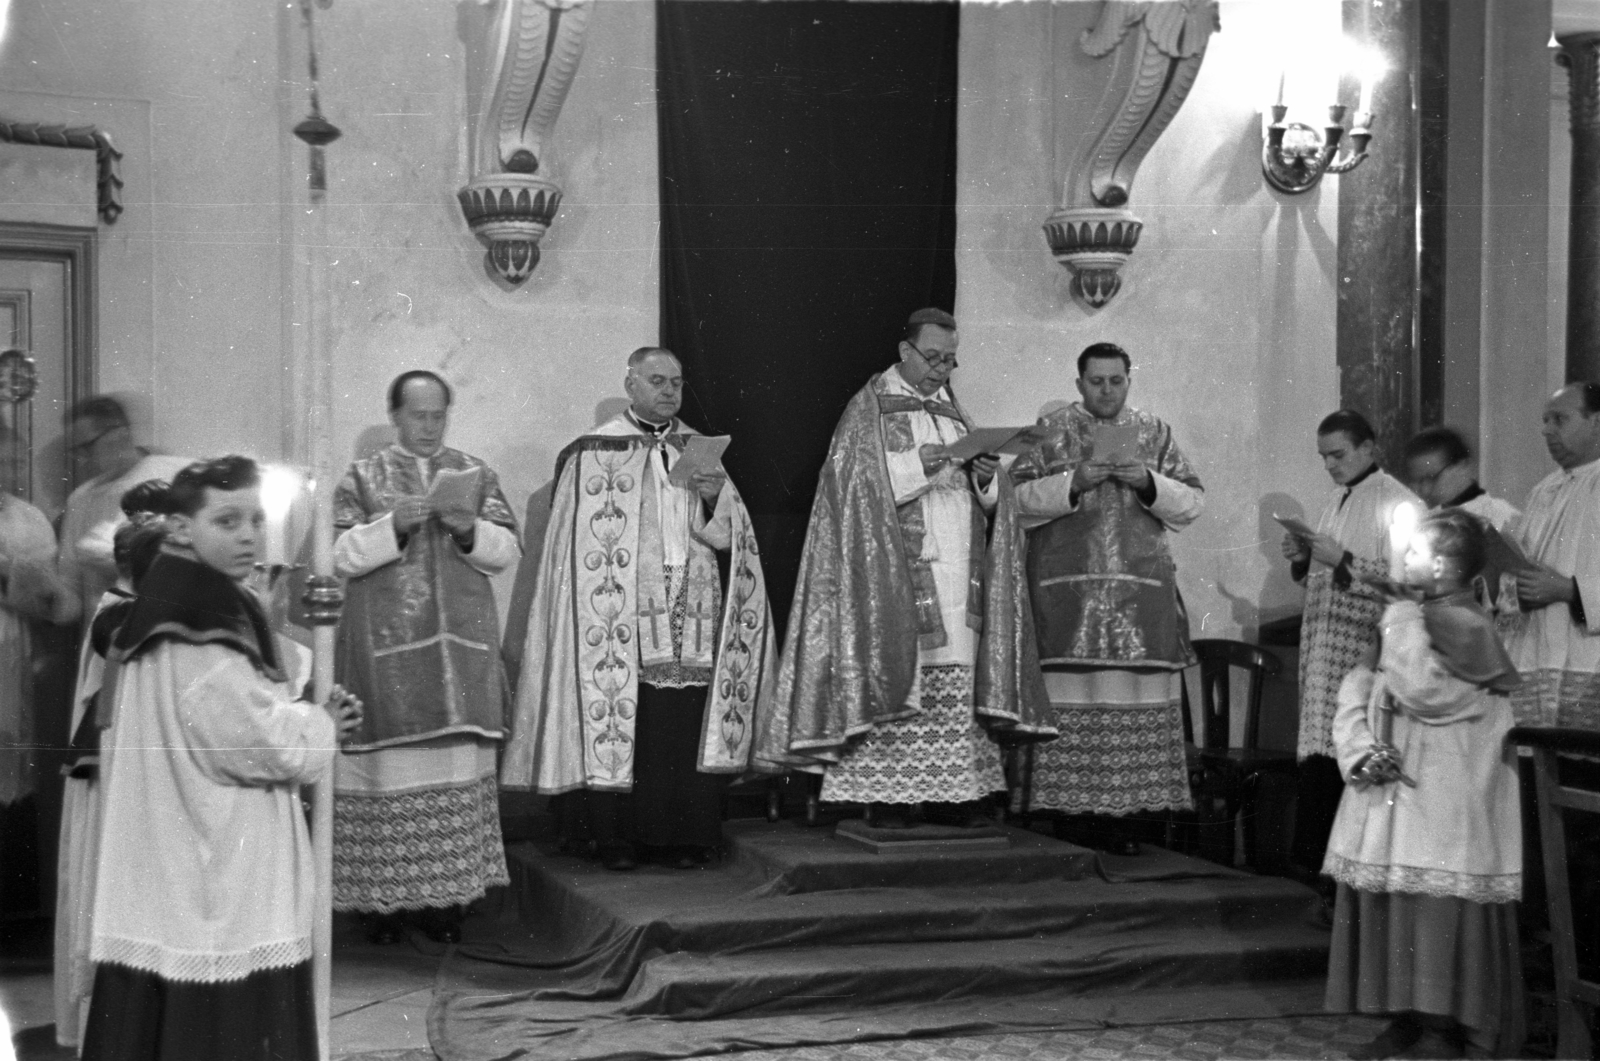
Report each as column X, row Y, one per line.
column 323, row 596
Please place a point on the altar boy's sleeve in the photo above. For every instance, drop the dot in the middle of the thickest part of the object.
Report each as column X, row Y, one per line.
column 1417, row 676
column 240, row 727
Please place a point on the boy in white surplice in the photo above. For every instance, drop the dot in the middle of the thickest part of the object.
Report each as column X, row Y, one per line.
column 1427, row 845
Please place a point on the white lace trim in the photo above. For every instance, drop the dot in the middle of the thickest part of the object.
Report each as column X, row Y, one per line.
column 1439, row 883
column 198, row 966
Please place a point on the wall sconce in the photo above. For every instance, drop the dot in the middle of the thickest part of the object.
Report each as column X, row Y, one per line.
column 1294, row 156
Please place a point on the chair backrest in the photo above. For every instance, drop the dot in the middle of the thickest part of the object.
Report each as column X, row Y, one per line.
column 1217, row 655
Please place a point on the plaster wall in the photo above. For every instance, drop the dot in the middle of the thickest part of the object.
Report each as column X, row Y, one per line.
column 1227, row 305
column 190, row 298
column 205, row 294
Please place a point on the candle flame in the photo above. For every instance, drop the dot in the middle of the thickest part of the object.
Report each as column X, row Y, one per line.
column 1403, row 524
column 279, row 487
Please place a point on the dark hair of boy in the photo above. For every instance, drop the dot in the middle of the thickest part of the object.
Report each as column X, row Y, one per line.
column 1458, row 536
column 397, row 389
column 1445, row 441
column 1352, row 424
column 1103, row 350
column 233, row 472
column 104, row 410
column 134, row 547
column 152, row 495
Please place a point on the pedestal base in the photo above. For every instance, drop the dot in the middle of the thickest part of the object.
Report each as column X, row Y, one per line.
column 921, row 837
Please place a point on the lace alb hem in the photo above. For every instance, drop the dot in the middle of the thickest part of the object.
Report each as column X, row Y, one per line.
column 435, row 847
column 1414, row 880
column 197, row 966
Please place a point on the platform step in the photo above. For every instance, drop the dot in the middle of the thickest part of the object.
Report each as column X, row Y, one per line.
column 797, row 979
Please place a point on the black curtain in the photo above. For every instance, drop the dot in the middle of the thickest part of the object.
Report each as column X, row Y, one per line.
column 808, row 206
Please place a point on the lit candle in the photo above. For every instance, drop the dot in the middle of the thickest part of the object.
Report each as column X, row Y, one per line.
column 1368, row 76
column 279, row 487
column 1282, row 76
column 1402, row 528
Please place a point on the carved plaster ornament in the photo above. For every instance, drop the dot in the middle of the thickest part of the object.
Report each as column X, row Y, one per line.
column 535, row 45
column 1155, row 51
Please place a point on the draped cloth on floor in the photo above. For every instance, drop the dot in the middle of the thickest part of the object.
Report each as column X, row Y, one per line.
column 1112, row 634
column 885, row 626
column 416, row 809
column 623, row 599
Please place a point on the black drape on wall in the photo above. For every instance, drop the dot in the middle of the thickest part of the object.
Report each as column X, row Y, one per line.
column 808, row 156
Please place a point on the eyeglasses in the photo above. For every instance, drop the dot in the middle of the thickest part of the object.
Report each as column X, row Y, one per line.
column 935, row 358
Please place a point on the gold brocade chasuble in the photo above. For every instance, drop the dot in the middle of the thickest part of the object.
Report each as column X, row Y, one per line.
column 1103, row 584
column 611, row 610
column 421, row 637
column 862, row 606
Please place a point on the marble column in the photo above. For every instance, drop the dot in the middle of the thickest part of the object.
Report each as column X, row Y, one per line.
column 1580, row 54
column 1377, row 257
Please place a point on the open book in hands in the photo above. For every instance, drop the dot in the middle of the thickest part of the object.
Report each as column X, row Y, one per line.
column 455, row 492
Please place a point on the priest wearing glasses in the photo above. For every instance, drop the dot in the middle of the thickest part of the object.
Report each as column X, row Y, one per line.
column 878, row 686
column 650, row 648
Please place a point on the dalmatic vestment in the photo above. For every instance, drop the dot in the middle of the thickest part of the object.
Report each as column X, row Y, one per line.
column 1557, row 648
column 877, row 683
column 1429, row 873
column 416, row 808
column 629, row 603
column 1112, row 635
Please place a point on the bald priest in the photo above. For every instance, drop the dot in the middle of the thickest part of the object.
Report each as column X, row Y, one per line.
column 644, row 676
column 883, row 686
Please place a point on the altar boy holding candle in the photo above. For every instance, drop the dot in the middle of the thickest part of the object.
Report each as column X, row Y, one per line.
column 204, row 892
column 1427, row 844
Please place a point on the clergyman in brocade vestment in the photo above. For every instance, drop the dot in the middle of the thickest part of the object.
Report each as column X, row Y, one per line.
column 416, row 822
column 1101, row 494
column 646, row 668
column 1337, row 564
column 877, row 685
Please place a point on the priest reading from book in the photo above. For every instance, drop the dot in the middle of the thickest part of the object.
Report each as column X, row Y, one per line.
column 877, row 686
column 1102, row 494
column 649, row 654
column 422, row 527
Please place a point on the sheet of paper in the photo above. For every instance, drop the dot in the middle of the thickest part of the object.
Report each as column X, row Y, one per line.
column 1012, row 440
column 455, row 491
column 701, row 453
column 1296, row 526
column 1116, row 444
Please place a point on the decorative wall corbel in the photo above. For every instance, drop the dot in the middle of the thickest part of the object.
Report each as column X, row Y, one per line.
column 1155, row 50
column 84, row 137
column 509, row 204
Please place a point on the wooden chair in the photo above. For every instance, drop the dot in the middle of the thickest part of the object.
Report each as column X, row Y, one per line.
column 1219, row 772
column 1576, row 998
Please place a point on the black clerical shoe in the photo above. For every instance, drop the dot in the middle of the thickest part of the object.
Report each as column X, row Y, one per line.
column 441, row 924
column 619, row 859
column 385, row 930
column 887, row 816
column 1401, row 1034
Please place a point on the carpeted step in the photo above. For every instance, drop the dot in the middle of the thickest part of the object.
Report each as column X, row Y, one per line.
column 797, row 979
column 786, row 858
column 900, row 915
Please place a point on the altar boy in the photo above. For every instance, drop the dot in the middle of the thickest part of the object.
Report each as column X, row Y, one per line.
column 202, row 919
